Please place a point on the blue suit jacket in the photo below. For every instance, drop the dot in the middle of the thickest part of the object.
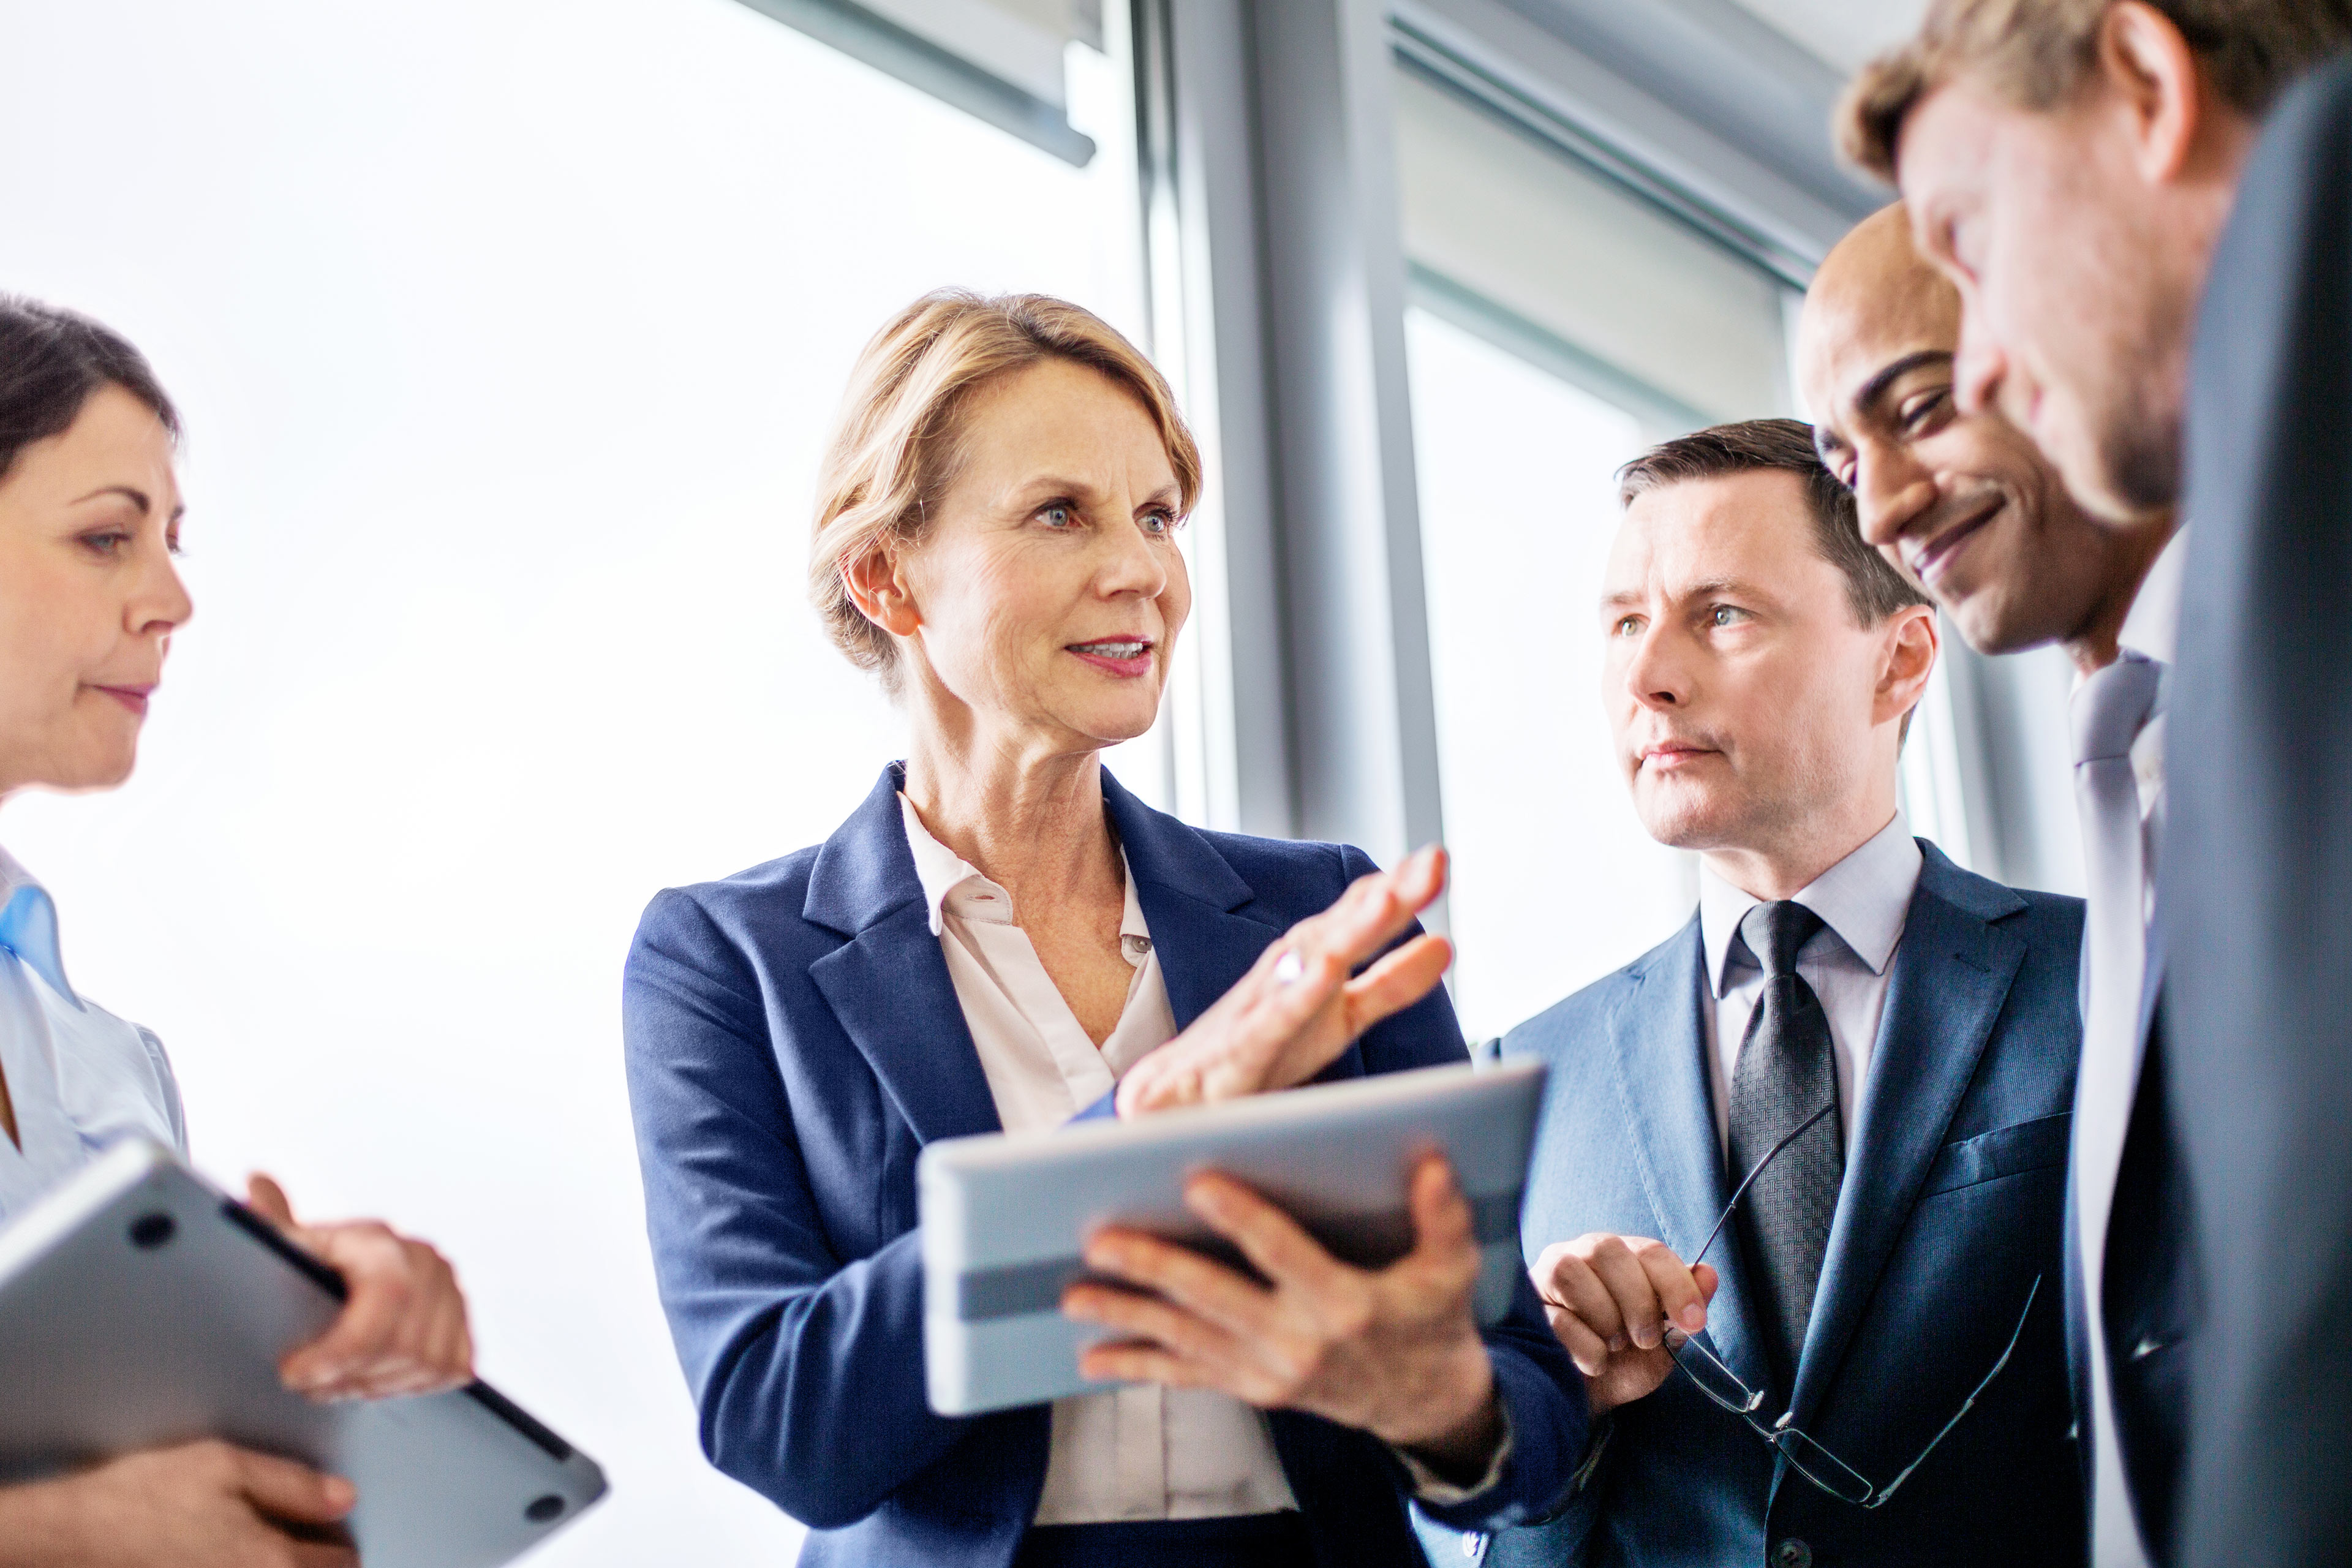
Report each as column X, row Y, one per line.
column 794, row 1040
column 1952, row 1206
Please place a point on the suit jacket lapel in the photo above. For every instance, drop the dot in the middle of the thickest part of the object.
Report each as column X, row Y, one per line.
column 1953, row 970
column 1666, row 1101
column 1188, row 892
column 889, row 985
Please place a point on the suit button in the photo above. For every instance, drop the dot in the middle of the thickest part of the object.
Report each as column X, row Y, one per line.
column 1793, row 1553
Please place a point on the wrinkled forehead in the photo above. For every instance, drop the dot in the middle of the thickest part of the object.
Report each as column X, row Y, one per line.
column 1693, row 536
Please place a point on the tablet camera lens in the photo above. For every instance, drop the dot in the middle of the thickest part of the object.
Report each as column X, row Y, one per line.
column 543, row 1509
column 150, row 1231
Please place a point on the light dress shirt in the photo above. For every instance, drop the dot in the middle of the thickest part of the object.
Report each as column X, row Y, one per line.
column 1139, row 1453
column 1863, row 901
column 79, row 1077
column 2110, row 1071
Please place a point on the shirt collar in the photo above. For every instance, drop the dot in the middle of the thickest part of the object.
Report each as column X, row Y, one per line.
column 1864, row 899
column 2152, row 625
column 28, row 926
column 943, row 872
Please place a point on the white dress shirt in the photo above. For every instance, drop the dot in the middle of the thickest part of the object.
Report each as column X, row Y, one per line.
column 1863, row 901
column 1139, row 1453
column 79, row 1077
column 2109, row 1057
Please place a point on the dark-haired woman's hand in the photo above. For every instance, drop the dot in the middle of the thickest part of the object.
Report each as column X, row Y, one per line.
column 403, row 1330
column 1298, row 1009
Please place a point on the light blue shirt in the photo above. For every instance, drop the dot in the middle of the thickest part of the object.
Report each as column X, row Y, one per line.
column 78, row 1076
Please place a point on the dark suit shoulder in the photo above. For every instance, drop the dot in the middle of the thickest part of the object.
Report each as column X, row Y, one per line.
column 761, row 905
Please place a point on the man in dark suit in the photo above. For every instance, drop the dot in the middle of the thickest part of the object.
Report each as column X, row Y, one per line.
column 1873, row 1049
column 2112, row 186
column 1966, row 501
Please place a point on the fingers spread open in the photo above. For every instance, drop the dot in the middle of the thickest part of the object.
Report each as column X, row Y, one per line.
column 1398, row 981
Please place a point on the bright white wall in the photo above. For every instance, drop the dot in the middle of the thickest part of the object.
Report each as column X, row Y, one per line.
column 505, row 331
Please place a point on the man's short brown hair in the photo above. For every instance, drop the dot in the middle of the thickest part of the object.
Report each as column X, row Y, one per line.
column 1875, row 589
column 2034, row 54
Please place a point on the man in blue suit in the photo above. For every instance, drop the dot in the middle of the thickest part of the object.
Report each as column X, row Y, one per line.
column 1872, row 1050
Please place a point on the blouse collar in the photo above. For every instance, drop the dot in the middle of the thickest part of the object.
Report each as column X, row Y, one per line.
column 28, row 926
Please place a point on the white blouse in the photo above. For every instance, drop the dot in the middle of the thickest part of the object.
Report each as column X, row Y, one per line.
column 79, row 1077
column 1135, row 1453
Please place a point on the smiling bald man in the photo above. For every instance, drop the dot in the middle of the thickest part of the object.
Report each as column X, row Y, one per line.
column 1965, row 504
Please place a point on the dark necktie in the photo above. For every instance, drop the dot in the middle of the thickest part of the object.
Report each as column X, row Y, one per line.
column 1786, row 1072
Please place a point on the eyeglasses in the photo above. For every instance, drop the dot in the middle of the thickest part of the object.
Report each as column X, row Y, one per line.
column 1805, row 1456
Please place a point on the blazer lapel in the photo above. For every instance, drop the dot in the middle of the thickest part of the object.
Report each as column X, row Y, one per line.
column 1189, row 894
column 1666, row 1101
column 889, row 984
column 1953, row 970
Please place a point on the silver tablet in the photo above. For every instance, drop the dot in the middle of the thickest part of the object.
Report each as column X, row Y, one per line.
column 142, row 1307
column 1004, row 1217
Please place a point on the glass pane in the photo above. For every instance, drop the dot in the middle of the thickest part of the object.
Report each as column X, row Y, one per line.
column 1561, row 324
column 1555, row 883
column 507, row 333
column 1568, row 266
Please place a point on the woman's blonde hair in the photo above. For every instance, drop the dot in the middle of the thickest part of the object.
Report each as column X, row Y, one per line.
column 898, row 445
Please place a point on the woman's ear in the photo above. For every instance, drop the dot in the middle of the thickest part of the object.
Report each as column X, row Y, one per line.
column 878, row 588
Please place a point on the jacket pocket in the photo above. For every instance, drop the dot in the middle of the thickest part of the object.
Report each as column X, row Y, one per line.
column 2004, row 1152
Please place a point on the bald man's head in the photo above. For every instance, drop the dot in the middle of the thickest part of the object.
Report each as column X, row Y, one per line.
column 1964, row 504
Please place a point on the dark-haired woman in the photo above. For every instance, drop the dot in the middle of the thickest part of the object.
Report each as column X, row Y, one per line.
column 90, row 519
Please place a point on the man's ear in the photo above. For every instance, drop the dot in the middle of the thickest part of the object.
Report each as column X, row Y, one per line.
column 876, row 583
column 1912, row 644
column 2156, row 79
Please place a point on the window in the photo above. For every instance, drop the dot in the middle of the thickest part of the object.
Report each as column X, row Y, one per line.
column 507, row 333
column 1560, row 324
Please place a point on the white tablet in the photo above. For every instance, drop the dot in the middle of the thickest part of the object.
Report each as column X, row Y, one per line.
column 142, row 1307
column 1004, row 1216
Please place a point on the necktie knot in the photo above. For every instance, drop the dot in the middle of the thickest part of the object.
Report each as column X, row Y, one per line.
column 1777, row 931
column 2113, row 705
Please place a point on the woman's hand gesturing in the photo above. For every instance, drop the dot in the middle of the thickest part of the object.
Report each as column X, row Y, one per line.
column 1298, row 1009
column 1393, row 1352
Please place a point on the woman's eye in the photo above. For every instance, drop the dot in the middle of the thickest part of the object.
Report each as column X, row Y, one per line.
column 1631, row 626
column 1159, row 524
column 107, row 542
column 1059, row 516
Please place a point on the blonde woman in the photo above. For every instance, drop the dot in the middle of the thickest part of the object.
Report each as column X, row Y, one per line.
column 89, row 521
column 1001, row 937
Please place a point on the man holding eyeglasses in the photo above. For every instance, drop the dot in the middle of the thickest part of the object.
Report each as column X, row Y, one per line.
column 1797, row 1201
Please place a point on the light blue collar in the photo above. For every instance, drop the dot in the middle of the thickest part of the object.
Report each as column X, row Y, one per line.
column 28, row 927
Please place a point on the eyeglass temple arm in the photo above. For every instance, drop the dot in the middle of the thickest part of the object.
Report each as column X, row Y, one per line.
column 2018, row 1333
column 1748, row 1181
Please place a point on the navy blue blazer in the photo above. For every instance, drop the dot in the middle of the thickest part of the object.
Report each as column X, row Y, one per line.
column 1953, row 1206
column 794, row 1040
